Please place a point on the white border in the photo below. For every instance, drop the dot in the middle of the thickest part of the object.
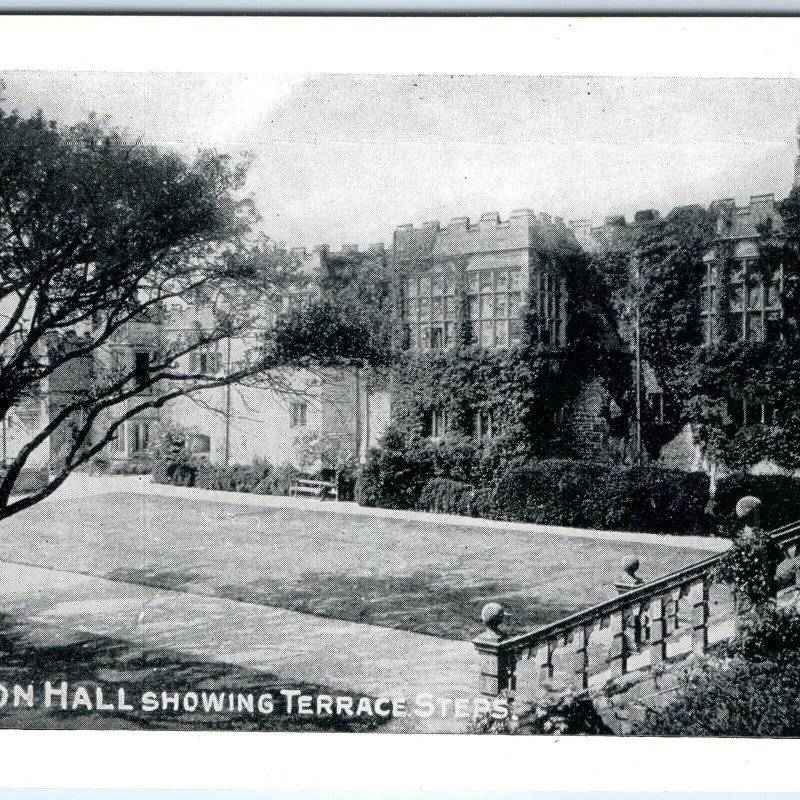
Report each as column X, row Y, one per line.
column 766, row 47
column 334, row 762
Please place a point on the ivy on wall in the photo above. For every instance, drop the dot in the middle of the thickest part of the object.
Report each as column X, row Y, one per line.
column 701, row 384
column 526, row 388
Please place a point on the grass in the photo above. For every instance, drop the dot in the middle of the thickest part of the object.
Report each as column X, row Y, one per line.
column 35, row 654
column 425, row 577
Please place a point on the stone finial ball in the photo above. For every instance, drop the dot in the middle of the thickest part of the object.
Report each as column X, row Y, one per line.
column 746, row 506
column 630, row 564
column 492, row 615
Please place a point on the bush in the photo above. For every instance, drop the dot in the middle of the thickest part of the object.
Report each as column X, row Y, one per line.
column 446, row 496
column 143, row 467
column 395, row 473
column 172, row 461
column 589, row 495
column 772, row 634
column 738, row 698
column 550, row 492
column 749, row 567
column 569, row 714
column 780, row 495
column 257, row 478
column 652, row 499
column 455, row 458
column 481, row 503
column 442, row 476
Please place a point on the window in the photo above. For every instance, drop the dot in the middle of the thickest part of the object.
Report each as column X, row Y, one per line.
column 199, row 443
column 142, row 367
column 550, row 327
column 297, row 415
column 205, row 361
column 117, row 443
column 431, row 310
column 743, row 414
column 656, row 400
column 438, row 422
column 772, row 327
column 493, row 306
column 483, row 424
column 138, row 436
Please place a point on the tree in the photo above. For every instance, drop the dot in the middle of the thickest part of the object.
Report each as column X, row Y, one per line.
column 98, row 236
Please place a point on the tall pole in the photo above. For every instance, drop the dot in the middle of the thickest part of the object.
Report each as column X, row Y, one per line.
column 638, row 354
column 228, row 407
column 358, row 414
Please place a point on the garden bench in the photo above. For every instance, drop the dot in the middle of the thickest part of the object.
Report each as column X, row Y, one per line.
column 319, row 489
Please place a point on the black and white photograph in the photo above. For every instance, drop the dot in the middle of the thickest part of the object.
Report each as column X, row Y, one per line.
column 400, row 403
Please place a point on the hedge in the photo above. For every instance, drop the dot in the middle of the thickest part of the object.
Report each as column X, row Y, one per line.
column 552, row 491
column 590, row 495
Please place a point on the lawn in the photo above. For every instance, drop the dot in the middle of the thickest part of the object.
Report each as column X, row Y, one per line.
column 424, row 577
column 32, row 655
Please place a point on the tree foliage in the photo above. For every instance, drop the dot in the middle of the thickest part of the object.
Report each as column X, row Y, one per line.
column 98, row 237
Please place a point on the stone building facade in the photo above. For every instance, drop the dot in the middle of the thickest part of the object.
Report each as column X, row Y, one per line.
column 479, row 284
column 753, row 305
column 484, row 274
column 266, row 417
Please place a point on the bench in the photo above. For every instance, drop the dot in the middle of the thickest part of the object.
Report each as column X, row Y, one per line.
column 318, row 489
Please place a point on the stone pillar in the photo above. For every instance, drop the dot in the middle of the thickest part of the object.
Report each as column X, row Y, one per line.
column 748, row 510
column 628, row 580
column 496, row 663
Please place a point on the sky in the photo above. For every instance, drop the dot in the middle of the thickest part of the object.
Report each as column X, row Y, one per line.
column 347, row 158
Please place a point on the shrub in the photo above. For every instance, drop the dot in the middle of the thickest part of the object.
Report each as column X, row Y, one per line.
column 738, row 698
column 569, row 714
column 395, row 473
column 446, row 496
column 772, row 634
column 441, row 476
column 590, row 495
column 551, row 492
column 280, row 480
column 143, row 467
column 456, row 458
column 777, row 443
column 652, row 499
column 749, row 566
column 481, row 503
column 172, row 461
column 780, row 495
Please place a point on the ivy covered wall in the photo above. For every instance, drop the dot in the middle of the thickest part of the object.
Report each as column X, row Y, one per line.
column 529, row 392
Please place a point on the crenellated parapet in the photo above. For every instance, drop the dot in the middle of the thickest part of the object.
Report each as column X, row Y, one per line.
column 615, row 232
column 524, row 229
column 743, row 222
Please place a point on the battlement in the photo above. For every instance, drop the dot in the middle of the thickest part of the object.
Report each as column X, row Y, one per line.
column 523, row 229
column 742, row 222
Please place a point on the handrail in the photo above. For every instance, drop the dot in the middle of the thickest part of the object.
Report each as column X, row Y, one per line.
column 657, row 586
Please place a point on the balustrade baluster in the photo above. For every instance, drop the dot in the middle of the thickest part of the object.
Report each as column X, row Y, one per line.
column 698, row 600
column 658, row 631
column 618, row 655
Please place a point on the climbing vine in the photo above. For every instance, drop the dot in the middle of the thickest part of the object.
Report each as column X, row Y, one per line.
column 524, row 389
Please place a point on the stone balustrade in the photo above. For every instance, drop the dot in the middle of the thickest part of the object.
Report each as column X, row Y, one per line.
column 648, row 626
